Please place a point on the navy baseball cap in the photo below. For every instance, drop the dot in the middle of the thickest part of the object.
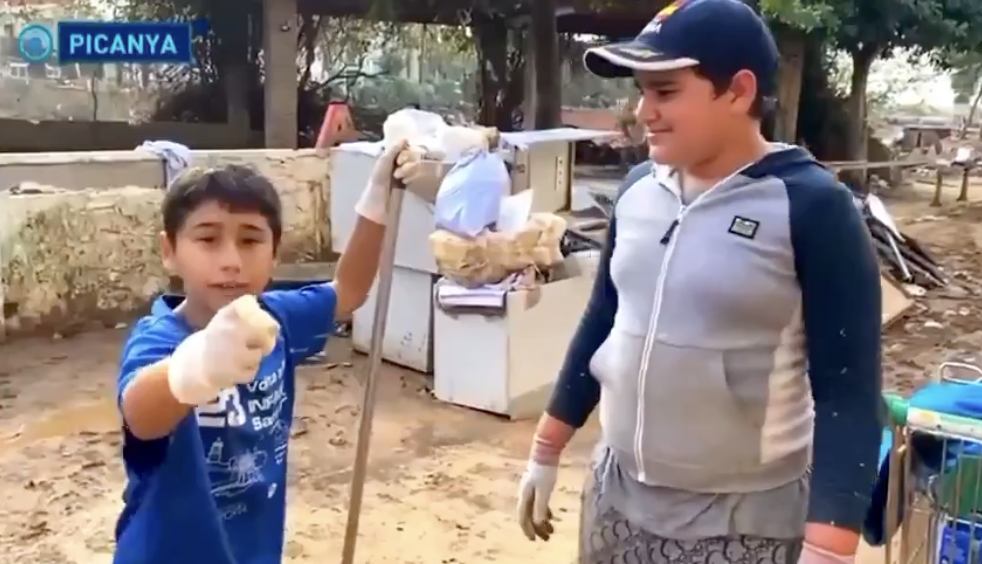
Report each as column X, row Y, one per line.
column 722, row 37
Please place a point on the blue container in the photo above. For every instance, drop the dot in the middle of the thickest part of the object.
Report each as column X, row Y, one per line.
column 956, row 545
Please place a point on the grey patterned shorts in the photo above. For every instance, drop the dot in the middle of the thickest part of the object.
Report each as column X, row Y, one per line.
column 607, row 537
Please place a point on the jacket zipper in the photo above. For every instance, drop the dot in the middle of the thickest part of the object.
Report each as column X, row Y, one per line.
column 649, row 342
column 670, row 240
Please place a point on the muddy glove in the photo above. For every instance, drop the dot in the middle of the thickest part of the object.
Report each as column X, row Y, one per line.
column 539, row 479
column 420, row 170
column 225, row 353
column 534, row 492
column 375, row 197
column 419, row 167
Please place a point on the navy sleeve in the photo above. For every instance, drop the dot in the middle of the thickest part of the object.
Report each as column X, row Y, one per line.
column 577, row 392
column 307, row 317
column 839, row 277
column 151, row 340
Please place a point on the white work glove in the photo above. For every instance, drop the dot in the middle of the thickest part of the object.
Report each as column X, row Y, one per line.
column 811, row 554
column 534, row 492
column 375, row 197
column 418, row 168
column 225, row 353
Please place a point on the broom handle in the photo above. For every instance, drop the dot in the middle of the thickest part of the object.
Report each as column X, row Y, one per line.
column 386, row 268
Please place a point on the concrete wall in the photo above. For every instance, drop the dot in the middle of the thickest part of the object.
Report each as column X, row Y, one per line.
column 23, row 136
column 44, row 99
column 82, row 249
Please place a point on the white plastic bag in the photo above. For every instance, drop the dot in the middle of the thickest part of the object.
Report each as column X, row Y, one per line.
column 429, row 132
column 416, row 126
column 456, row 141
column 469, row 198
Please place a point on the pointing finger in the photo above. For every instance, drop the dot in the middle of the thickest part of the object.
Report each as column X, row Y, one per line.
column 248, row 362
column 263, row 339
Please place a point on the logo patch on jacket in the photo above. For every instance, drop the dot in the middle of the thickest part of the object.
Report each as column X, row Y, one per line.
column 746, row 228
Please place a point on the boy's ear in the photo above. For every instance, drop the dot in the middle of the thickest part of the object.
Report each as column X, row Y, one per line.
column 743, row 87
column 166, row 251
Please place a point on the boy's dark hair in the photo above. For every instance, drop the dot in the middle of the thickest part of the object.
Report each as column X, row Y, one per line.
column 237, row 188
column 762, row 104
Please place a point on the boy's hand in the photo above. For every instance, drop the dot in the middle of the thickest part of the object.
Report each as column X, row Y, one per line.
column 534, row 491
column 421, row 171
column 375, row 197
column 225, row 353
column 539, row 479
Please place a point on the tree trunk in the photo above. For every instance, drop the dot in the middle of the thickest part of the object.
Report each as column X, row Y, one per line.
column 972, row 110
column 94, row 94
column 501, row 73
column 511, row 117
column 862, row 61
column 145, row 71
column 545, row 64
column 492, row 60
column 236, row 79
column 232, row 62
column 790, row 75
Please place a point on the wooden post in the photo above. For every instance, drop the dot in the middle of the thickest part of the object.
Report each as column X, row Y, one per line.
column 963, row 194
column 280, row 67
column 939, row 183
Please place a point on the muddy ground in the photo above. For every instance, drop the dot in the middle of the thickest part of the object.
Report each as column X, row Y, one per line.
column 443, row 478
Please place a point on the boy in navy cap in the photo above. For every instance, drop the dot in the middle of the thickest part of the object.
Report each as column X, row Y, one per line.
column 733, row 329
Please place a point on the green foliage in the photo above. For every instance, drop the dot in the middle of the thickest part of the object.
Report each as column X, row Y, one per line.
column 806, row 15
column 966, row 73
column 445, row 56
column 879, row 26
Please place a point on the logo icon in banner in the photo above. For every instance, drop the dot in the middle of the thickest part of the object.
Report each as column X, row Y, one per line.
column 35, row 43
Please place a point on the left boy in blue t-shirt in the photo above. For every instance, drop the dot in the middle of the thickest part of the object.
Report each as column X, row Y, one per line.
column 206, row 404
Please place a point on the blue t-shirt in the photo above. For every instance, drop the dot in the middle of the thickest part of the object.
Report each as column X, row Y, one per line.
column 213, row 492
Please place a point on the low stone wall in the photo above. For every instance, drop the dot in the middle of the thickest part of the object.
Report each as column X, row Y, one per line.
column 78, row 251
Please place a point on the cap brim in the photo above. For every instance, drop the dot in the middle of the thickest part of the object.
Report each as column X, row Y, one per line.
column 621, row 60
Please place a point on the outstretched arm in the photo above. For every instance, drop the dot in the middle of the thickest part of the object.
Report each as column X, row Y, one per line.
column 841, row 301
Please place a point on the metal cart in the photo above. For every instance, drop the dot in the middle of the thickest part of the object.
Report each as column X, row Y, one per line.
column 935, row 480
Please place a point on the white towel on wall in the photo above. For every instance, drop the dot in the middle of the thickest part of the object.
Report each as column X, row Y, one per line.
column 176, row 157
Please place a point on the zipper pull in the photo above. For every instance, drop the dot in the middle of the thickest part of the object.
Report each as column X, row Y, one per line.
column 668, row 234
column 667, row 237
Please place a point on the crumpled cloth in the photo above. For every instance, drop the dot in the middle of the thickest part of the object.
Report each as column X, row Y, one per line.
column 177, row 157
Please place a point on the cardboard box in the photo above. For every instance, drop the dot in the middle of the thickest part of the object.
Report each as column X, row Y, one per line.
column 507, row 361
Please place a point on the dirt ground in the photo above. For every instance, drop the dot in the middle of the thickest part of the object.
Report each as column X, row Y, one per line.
column 443, row 478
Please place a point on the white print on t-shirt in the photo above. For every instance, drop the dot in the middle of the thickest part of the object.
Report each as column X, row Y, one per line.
column 233, row 510
column 232, row 475
column 249, row 416
column 258, row 403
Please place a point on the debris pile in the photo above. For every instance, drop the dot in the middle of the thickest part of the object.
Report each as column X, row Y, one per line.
column 905, row 259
